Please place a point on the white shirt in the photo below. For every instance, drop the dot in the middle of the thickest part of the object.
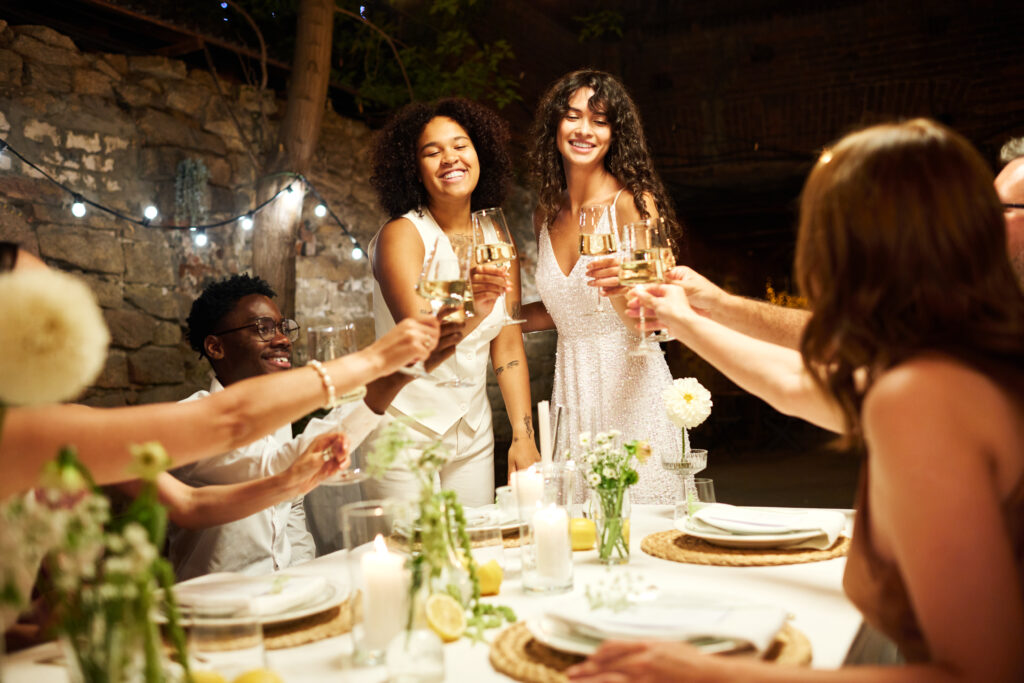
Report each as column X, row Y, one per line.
column 273, row 538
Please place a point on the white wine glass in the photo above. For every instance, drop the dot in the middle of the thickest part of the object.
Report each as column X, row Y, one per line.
column 419, row 369
column 597, row 238
column 640, row 251
column 668, row 262
column 493, row 245
column 445, row 284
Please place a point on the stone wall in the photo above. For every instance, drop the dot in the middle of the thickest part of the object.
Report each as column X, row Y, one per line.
column 114, row 128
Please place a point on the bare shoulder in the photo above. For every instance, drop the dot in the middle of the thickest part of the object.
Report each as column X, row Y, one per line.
column 398, row 238
column 627, row 210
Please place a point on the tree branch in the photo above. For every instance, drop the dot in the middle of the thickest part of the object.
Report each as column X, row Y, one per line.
column 390, row 42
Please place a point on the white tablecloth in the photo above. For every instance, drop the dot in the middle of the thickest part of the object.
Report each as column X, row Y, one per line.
column 811, row 592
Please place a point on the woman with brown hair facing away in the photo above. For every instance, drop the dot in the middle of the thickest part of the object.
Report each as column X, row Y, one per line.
column 916, row 342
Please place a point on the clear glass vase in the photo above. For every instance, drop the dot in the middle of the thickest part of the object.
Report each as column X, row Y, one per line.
column 610, row 510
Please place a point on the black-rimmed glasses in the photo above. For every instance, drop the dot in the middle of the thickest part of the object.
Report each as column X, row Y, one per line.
column 266, row 328
column 1013, row 206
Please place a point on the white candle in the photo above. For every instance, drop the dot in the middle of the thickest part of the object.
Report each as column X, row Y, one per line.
column 551, row 538
column 528, row 487
column 544, row 429
column 385, row 606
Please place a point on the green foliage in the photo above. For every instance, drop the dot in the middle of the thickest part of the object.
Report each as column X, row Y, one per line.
column 599, row 24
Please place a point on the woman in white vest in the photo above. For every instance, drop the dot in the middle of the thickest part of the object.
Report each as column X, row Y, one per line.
column 433, row 165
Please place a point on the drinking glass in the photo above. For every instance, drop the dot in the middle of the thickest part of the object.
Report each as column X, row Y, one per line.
column 487, row 544
column 668, row 262
column 376, row 534
column 493, row 245
column 327, row 342
column 445, row 284
column 418, row 369
column 227, row 640
column 597, row 238
column 640, row 252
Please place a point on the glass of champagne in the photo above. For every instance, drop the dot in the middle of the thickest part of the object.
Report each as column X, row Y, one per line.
column 445, row 284
column 668, row 262
column 597, row 238
column 493, row 245
column 418, row 369
column 640, row 250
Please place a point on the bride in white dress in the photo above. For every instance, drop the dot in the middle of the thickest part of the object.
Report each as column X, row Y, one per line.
column 589, row 148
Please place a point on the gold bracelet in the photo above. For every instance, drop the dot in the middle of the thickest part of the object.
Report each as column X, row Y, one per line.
column 325, row 379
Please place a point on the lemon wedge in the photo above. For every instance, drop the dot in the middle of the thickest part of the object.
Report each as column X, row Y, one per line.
column 445, row 617
column 583, row 533
column 258, row 676
column 207, row 676
column 490, row 576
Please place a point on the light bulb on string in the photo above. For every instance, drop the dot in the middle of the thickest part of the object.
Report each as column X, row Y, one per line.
column 78, row 207
column 150, row 212
column 320, row 210
column 246, row 222
column 200, row 239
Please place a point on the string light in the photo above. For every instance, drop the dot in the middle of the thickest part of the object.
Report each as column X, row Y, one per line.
column 199, row 236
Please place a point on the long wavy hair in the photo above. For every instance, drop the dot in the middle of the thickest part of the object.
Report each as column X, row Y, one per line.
column 628, row 158
column 395, row 176
column 902, row 250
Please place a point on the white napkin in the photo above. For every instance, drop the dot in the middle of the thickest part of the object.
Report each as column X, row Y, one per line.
column 746, row 521
column 663, row 615
column 265, row 595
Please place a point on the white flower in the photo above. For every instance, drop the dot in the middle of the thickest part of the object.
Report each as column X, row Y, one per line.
column 610, row 473
column 54, row 337
column 687, row 402
column 585, row 439
column 149, row 460
column 593, row 478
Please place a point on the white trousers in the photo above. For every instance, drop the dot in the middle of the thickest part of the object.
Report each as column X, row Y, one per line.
column 469, row 472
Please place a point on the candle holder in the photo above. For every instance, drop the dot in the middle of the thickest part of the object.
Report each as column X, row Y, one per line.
column 544, row 533
column 375, row 534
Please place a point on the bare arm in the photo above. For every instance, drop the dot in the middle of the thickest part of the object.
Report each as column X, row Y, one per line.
column 771, row 372
column 759, row 319
column 192, row 430
column 508, row 357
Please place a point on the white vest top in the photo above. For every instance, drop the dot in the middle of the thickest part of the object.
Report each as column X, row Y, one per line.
column 439, row 408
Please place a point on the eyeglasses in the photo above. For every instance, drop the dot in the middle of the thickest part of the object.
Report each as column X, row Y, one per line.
column 1013, row 206
column 267, row 329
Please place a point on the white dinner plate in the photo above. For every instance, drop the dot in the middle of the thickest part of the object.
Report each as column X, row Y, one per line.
column 335, row 593
column 490, row 515
column 728, row 540
column 558, row 636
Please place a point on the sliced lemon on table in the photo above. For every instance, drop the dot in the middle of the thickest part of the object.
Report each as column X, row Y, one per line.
column 445, row 617
column 207, row 676
column 490, row 575
column 258, row 676
column 583, row 533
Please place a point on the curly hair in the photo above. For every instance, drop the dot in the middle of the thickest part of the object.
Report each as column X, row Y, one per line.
column 628, row 158
column 902, row 249
column 396, row 177
column 216, row 301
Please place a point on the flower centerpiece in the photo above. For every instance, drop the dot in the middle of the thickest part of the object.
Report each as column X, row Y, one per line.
column 687, row 404
column 101, row 573
column 609, row 469
column 441, row 558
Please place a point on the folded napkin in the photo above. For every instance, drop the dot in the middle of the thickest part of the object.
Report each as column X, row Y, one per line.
column 663, row 615
column 264, row 595
column 748, row 521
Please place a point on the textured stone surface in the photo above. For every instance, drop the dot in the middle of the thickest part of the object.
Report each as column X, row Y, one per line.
column 149, row 262
column 129, row 329
column 160, row 302
column 156, row 365
column 91, row 82
column 115, row 372
column 161, row 67
column 10, row 68
column 167, row 334
column 35, row 50
column 95, row 250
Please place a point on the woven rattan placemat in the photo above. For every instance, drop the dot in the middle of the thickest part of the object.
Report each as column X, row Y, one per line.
column 333, row 622
column 679, row 547
column 516, row 654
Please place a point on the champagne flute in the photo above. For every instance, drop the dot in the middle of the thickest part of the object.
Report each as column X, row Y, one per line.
column 597, row 238
column 418, row 369
column 493, row 245
column 668, row 262
column 445, row 284
column 640, row 248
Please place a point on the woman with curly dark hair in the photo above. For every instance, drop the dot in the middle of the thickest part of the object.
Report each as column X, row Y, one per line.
column 433, row 165
column 589, row 148
column 915, row 346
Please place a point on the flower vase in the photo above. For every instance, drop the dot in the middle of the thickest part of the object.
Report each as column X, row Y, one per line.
column 610, row 509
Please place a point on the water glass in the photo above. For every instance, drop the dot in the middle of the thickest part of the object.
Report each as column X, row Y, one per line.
column 702, row 493
column 226, row 640
column 486, row 544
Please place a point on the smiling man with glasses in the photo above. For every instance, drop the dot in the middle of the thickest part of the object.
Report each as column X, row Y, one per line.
column 256, row 523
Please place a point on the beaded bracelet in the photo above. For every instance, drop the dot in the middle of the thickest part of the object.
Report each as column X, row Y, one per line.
column 325, row 379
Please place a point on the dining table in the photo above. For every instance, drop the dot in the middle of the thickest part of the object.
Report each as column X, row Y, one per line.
column 811, row 593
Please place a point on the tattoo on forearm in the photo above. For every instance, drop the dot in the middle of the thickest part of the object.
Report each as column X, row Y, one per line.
column 528, row 423
column 501, row 368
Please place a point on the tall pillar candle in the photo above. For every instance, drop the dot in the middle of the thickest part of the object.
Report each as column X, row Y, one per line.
column 385, row 606
column 528, row 487
column 553, row 548
column 544, row 430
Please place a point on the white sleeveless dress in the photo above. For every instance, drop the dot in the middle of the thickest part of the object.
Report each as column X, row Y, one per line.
column 597, row 379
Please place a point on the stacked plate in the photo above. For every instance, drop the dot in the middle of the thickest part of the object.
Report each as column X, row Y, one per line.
column 273, row 598
column 752, row 527
column 711, row 623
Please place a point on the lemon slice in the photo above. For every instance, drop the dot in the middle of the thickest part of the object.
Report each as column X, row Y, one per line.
column 207, row 676
column 258, row 676
column 445, row 617
column 583, row 533
column 490, row 576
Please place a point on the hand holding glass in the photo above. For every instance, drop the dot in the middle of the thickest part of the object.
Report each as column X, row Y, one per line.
column 597, row 237
column 493, row 245
column 640, row 247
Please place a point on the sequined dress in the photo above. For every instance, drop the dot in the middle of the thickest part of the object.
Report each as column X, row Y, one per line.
column 596, row 377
